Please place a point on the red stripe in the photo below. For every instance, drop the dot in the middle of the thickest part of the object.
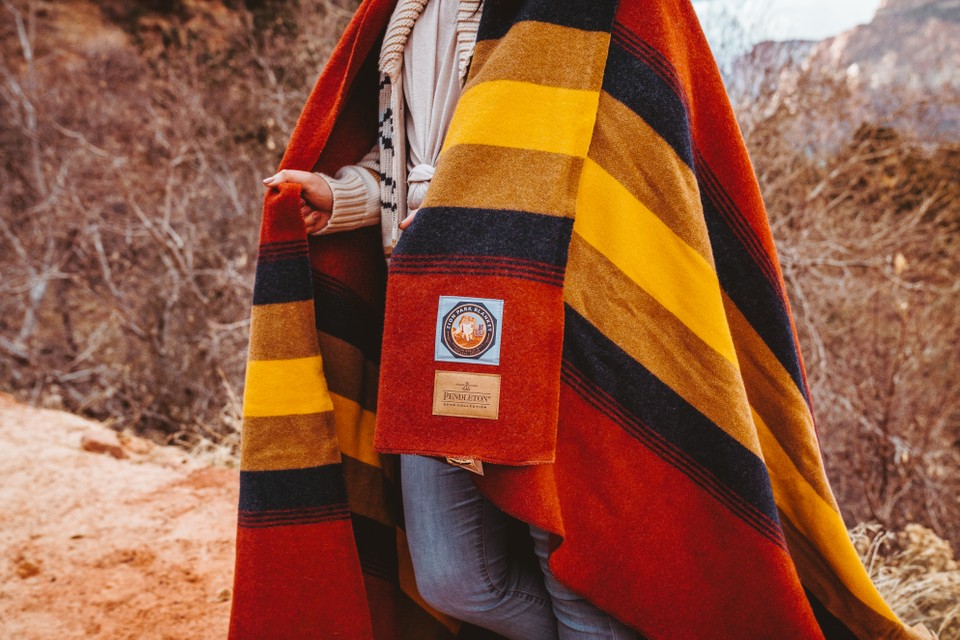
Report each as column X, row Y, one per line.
column 675, row 456
column 299, row 582
column 681, row 563
column 529, row 368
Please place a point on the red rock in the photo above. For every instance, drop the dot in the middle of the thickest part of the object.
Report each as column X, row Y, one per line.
column 103, row 442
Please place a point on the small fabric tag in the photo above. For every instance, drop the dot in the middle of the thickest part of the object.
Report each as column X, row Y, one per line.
column 470, row 464
column 469, row 330
column 466, row 395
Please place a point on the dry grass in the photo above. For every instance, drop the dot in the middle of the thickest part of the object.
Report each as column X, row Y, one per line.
column 917, row 574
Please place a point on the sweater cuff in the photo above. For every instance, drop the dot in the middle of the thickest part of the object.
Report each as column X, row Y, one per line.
column 356, row 200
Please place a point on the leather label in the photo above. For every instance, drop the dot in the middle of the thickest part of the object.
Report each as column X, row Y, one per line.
column 470, row 464
column 466, row 395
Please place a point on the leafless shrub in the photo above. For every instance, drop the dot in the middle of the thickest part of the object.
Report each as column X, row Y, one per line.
column 868, row 241
column 133, row 136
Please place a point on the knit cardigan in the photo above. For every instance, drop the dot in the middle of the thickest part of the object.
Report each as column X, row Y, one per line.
column 625, row 303
column 359, row 199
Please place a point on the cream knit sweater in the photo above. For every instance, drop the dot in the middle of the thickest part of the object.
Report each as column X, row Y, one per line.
column 426, row 51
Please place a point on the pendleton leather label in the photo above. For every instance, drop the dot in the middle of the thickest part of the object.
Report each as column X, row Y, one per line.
column 470, row 464
column 469, row 330
column 466, row 395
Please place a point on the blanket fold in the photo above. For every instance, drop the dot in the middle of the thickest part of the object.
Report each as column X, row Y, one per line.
column 590, row 300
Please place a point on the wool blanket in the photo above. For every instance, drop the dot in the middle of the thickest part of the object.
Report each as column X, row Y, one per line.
column 590, row 302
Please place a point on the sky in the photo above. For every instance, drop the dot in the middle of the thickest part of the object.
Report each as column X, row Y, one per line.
column 790, row 19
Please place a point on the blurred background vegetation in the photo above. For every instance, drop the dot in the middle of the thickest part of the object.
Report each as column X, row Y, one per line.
column 133, row 136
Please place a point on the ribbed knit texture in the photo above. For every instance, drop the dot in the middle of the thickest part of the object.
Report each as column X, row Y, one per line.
column 401, row 24
column 356, row 195
column 468, row 20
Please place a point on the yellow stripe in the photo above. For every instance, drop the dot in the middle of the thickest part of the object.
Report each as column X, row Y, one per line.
column 634, row 239
column 355, row 427
column 294, row 386
column 817, row 521
column 523, row 115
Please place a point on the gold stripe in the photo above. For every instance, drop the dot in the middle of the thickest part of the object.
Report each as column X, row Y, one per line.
column 355, row 427
column 285, row 387
column 272, row 443
column 515, row 179
column 655, row 338
column 369, row 492
column 817, row 521
column 637, row 157
column 282, row 331
column 348, row 372
column 624, row 230
column 817, row 576
column 775, row 397
column 541, row 53
column 506, row 113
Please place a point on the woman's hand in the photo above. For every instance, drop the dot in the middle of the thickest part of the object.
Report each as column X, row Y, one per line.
column 313, row 219
column 316, row 198
column 406, row 222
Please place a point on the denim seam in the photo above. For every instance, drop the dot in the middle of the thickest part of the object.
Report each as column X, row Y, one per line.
column 501, row 591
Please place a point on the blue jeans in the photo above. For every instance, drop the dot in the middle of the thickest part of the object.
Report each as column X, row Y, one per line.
column 466, row 567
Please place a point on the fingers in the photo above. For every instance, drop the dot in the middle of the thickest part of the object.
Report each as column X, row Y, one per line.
column 406, row 222
column 289, row 175
column 314, row 189
column 315, row 221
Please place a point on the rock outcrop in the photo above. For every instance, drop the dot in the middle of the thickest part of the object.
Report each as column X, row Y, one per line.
column 899, row 70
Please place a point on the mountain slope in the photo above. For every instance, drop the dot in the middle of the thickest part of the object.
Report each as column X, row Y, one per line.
column 901, row 70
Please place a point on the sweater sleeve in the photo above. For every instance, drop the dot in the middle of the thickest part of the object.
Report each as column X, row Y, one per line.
column 356, row 194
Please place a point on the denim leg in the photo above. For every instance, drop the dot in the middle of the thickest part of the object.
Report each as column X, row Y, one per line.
column 461, row 556
column 577, row 618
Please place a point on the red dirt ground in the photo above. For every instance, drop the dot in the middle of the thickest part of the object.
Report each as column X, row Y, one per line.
column 97, row 547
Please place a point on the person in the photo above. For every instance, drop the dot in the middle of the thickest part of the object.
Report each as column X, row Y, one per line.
column 447, row 517
column 637, row 404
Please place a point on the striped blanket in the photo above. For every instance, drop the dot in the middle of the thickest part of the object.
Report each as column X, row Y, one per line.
column 590, row 296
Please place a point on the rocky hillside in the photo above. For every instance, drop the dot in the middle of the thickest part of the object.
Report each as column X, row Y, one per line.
column 898, row 70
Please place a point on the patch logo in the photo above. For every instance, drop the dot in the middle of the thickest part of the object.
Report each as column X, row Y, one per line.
column 469, row 329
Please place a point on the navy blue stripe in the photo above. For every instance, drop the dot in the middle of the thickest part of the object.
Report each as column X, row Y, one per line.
column 342, row 314
column 433, row 268
column 830, row 625
column 658, row 407
column 377, row 547
column 753, row 294
column 486, row 232
column 480, row 261
column 671, row 454
column 286, row 280
column 479, row 265
column 630, row 41
column 300, row 243
column 727, row 208
column 637, row 85
column 634, row 83
column 285, row 518
column 589, row 15
column 292, row 488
